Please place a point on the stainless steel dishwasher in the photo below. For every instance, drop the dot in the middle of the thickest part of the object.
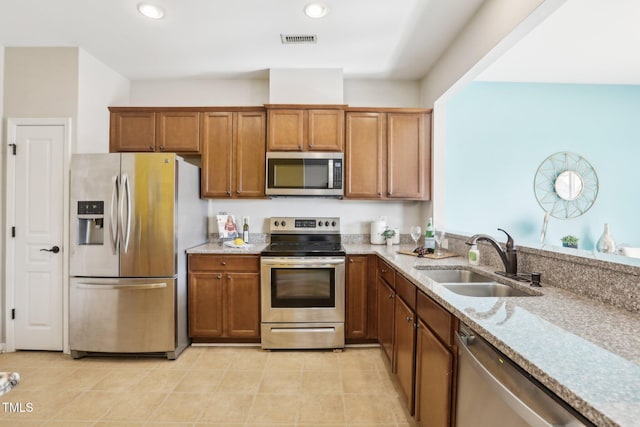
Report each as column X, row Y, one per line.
column 494, row 391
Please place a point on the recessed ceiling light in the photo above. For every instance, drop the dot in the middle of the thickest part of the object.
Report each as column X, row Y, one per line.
column 315, row 10
column 150, row 10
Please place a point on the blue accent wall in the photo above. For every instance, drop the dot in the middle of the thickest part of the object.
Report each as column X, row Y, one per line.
column 499, row 133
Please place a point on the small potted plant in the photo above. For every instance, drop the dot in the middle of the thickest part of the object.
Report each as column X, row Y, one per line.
column 388, row 234
column 569, row 241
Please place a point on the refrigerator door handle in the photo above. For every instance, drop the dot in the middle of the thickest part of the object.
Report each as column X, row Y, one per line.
column 105, row 287
column 113, row 231
column 125, row 231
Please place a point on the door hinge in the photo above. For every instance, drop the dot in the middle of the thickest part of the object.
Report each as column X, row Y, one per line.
column 13, row 313
column 14, row 147
column 13, row 232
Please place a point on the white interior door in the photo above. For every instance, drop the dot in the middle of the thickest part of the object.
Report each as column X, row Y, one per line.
column 39, row 213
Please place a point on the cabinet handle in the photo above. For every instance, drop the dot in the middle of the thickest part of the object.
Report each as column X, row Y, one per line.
column 383, row 270
column 299, row 147
column 224, row 263
column 152, row 148
column 310, row 145
column 409, row 319
column 228, row 193
column 350, row 260
column 162, row 147
column 390, row 296
column 237, row 191
column 379, row 193
column 219, row 276
column 228, row 277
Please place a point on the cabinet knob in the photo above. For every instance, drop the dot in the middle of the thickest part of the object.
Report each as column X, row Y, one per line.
column 409, row 319
column 299, row 147
column 379, row 193
column 152, row 148
column 228, row 277
column 390, row 296
column 350, row 260
column 224, row 263
column 310, row 145
column 383, row 270
column 162, row 147
column 228, row 193
column 219, row 276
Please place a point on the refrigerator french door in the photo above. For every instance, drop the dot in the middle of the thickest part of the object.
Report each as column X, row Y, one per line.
column 128, row 293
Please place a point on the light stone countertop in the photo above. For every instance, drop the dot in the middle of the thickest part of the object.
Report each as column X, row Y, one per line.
column 586, row 352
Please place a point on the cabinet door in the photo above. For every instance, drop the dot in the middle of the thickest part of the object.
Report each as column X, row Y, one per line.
column 356, row 297
column 404, row 348
column 243, row 305
column 178, row 131
column 386, row 296
column 217, row 154
column 250, row 154
column 325, row 130
column 365, row 142
column 434, row 378
column 132, row 131
column 407, row 157
column 286, row 130
column 205, row 304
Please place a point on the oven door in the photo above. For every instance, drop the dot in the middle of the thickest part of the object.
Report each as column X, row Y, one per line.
column 305, row 289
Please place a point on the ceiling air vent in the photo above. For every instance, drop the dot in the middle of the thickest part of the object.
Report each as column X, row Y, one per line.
column 298, row 38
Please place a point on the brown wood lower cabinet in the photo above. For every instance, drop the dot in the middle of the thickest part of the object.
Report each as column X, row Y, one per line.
column 435, row 364
column 386, row 297
column 404, row 349
column 360, row 314
column 224, row 298
column 434, row 369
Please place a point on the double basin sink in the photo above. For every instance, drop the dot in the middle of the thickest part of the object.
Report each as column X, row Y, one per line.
column 472, row 284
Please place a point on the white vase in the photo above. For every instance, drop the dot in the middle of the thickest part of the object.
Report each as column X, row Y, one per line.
column 606, row 243
column 389, row 242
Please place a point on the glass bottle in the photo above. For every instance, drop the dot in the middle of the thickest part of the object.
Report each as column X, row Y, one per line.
column 245, row 231
column 606, row 243
column 429, row 237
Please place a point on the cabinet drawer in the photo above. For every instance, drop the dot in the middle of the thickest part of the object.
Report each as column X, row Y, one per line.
column 437, row 318
column 387, row 273
column 406, row 290
column 240, row 263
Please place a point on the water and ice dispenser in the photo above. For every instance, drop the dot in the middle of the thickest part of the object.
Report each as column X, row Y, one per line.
column 90, row 222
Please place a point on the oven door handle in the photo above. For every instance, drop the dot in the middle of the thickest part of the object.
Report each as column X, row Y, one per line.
column 302, row 262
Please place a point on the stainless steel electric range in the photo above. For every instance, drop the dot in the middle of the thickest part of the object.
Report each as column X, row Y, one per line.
column 303, row 284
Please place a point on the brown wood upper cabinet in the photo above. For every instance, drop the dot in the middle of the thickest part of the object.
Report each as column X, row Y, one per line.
column 163, row 130
column 388, row 154
column 305, row 128
column 233, row 154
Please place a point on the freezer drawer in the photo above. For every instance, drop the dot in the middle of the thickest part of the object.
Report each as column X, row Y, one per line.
column 122, row 316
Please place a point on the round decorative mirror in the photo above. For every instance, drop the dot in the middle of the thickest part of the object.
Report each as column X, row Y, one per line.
column 569, row 185
column 565, row 185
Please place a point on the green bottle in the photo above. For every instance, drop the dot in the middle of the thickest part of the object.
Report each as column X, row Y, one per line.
column 429, row 240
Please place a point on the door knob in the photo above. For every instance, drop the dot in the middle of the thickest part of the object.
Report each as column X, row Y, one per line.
column 54, row 249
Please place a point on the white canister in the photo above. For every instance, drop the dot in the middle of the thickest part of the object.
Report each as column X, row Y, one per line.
column 377, row 227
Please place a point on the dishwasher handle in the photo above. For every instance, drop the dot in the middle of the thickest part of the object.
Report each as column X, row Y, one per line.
column 515, row 403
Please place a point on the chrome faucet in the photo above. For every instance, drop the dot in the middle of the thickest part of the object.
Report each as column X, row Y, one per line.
column 508, row 257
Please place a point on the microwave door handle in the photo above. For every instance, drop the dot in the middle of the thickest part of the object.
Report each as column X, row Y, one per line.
column 330, row 171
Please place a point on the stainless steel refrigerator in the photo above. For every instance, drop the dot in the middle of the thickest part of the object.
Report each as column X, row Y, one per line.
column 133, row 215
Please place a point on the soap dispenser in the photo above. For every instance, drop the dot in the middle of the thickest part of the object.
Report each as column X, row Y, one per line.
column 474, row 255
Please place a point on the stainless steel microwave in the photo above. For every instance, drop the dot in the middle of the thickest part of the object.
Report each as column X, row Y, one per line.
column 305, row 174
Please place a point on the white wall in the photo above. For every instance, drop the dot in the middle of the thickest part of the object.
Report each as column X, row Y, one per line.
column 198, row 92
column 305, row 86
column 382, row 93
column 98, row 87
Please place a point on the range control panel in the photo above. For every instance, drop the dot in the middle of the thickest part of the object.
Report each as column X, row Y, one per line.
column 306, row 225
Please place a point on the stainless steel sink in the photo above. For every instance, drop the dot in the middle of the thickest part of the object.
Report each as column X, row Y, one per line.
column 485, row 290
column 472, row 284
column 457, row 276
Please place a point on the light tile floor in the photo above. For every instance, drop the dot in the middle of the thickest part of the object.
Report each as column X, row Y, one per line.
column 205, row 386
